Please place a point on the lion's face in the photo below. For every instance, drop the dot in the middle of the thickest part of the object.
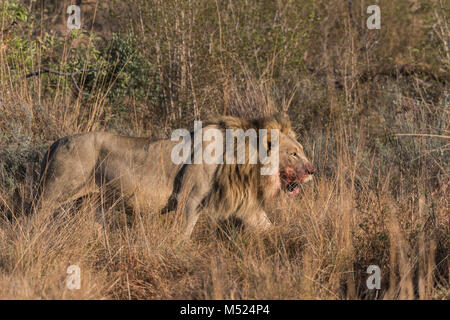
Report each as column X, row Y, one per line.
column 295, row 168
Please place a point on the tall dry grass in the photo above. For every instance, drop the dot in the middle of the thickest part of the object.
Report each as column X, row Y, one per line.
column 317, row 250
column 378, row 199
column 321, row 246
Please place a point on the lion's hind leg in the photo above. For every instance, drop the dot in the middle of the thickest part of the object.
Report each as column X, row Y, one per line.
column 58, row 192
column 67, row 173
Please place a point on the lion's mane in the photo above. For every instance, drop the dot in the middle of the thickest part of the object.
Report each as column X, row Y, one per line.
column 240, row 188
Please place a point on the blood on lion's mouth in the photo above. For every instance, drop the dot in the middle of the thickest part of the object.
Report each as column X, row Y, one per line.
column 292, row 189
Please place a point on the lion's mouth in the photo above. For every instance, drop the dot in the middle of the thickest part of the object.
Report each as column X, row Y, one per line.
column 291, row 181
column 292, row 189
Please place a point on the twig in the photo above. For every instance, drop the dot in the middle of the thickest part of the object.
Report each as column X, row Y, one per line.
column 65, row 74
column 422, row 135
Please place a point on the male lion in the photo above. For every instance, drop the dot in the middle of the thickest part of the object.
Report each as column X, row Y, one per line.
column 143, row 173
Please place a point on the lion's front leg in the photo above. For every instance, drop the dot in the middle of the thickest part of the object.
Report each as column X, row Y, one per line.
column 191, row 213
column 195, row 187
column 258, row 221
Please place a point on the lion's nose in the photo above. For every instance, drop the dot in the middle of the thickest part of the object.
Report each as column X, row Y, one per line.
column 310, row 168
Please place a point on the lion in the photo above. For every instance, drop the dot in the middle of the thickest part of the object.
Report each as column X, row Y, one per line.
column 142, row 172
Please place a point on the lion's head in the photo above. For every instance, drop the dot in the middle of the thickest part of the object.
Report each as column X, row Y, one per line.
column 238, row 186
column 294, row 166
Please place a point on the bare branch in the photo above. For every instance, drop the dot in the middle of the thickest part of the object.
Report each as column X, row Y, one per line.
column 422, row 135
column 65, row 74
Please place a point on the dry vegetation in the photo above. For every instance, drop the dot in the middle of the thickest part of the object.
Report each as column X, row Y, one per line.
column 379, row 197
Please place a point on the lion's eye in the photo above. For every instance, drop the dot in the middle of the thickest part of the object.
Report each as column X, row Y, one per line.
column 294, row 154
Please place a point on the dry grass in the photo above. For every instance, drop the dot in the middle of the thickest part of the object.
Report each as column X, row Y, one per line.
column 317, row 250
column 377, row 199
